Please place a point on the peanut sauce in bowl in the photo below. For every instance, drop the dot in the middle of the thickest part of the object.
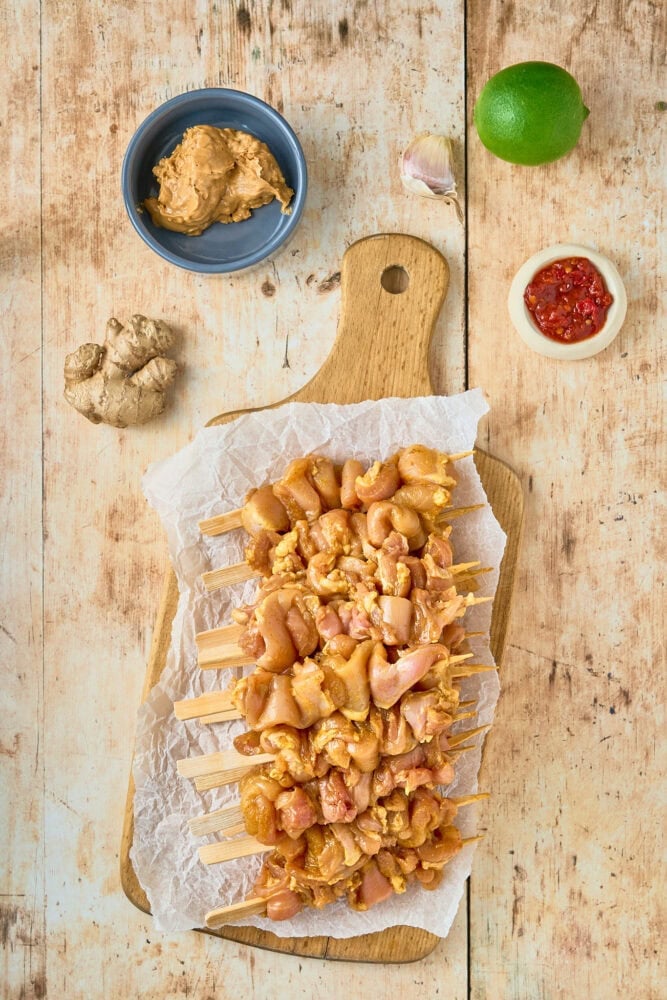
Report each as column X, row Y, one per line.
column 567, row 302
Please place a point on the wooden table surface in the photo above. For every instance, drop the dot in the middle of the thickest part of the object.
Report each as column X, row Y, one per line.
column 566, row 892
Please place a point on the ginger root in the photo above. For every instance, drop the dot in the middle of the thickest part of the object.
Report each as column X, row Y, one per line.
column 123, row 381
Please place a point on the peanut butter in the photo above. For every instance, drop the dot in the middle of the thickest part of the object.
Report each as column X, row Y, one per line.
column 215, row 175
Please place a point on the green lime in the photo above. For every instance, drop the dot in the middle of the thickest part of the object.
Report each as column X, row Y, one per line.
column 530, row 113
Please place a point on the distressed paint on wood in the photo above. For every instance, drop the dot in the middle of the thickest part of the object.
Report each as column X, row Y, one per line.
column 22, row 878
column 566, row 889
column 104, row 67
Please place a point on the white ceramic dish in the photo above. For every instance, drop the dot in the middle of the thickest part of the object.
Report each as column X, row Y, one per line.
column 530, row 332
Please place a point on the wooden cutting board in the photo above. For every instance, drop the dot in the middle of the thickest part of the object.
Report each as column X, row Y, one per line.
column 393, row 288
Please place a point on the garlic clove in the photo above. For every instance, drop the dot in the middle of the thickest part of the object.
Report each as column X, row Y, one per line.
column 426, row 169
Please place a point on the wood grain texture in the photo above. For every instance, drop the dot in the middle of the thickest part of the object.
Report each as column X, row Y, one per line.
column 566, row 891
column 22, row 875
column 356, row 81
column 242, row 340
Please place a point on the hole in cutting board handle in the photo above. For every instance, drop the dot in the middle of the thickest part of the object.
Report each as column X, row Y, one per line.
column 395, row 279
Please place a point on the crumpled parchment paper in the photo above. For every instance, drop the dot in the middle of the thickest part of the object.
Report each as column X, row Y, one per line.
column 212, row 475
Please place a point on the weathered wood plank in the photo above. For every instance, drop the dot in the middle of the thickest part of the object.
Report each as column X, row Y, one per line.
column 355, row 95
column 22, row 968
column 563, row 890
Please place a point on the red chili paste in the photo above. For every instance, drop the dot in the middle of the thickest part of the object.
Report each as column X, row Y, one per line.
column 568, row 300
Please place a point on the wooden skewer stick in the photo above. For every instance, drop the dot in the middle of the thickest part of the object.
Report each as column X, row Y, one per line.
column 225, row 658
column 215, row 636
column 207, row 763
column 232, row 713
column 255, row 907
column 221, row 523
column 205, row 704
column 462, row 567
column 220, row 819
column 472, row 840
column 466, row 800
column 456, row 740
column 465, row 715
column 473, row 668
column 470, row 580
column 453, row 512
column 229, row 850
column 220, row 778
column 225, row 577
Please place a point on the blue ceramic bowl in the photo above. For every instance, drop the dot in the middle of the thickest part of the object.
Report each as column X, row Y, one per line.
column 221, row 249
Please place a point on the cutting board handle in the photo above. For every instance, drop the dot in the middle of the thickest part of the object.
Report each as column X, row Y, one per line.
column 393, row 287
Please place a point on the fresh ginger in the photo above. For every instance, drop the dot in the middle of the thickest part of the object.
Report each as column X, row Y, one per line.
column 124, row 381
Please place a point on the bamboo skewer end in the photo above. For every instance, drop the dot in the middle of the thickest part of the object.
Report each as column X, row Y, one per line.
column 221, row 523
column 215, row 919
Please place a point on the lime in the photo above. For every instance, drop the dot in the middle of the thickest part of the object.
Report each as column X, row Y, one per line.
column 530, row 113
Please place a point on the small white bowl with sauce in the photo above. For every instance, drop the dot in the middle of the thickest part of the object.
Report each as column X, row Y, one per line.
column 526, row 325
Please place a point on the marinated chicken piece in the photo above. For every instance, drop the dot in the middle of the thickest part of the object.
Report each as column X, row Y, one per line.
column 297, row 493
column 380, row 482
column 388, row 681
column 419, row 464
column 281, row 628
column 348, row 493
column 431, row 615
column 263, row 511
column 309, row 486
column 383, row 517
column 325, row 479
column 427, row 499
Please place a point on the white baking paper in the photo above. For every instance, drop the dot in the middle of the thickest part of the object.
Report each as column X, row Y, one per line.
column 212, row 475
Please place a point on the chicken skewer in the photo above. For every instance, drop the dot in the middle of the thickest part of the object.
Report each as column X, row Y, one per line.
column 287, row 883
column 260, row 906
column 289, row 625
column 312, row 483
column 218, row 706
column 229, row 819
column 227, row 576
column 412, row 512
column 371, row 829
column 219, row 647
column 222, row 779
column 398, row 817
column 209, row 772
column 345, row 676
column 400, row 599
column 303, row 762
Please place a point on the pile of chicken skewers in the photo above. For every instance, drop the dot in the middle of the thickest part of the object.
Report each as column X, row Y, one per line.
column 357, row 639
